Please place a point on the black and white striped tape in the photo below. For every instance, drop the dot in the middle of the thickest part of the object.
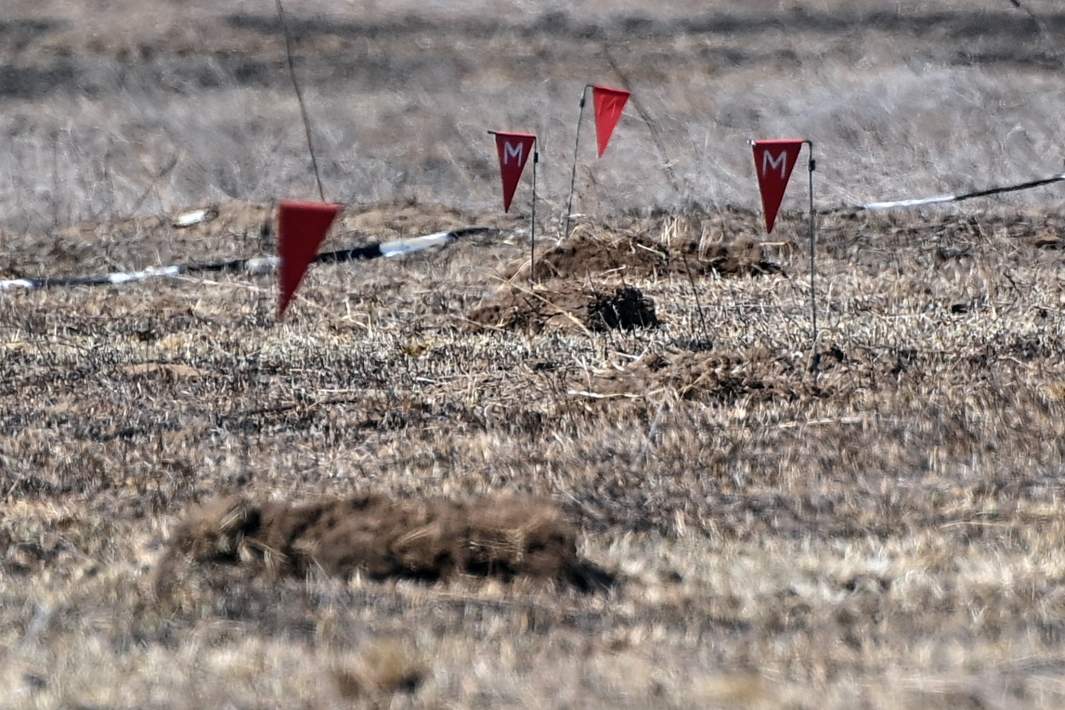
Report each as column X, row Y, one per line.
column 254, row 265
column 939, row 199
column 402, row 247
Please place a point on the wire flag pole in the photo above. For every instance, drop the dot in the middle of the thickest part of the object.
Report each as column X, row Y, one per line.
column 813, row 259
column 532, row 221
column 573, row 172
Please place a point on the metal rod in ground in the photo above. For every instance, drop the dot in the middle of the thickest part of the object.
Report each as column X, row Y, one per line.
column 813, row 260
column 698, row 302
column 299, row 98
column 532, row 221
column 573, row 172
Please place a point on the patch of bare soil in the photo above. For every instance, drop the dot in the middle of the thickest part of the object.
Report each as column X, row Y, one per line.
column 563, row 306
column 385, row 538
column 587, row 253
column 724, row 376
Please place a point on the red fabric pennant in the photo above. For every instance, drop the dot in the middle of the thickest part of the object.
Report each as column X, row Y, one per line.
column 300, row 230
column 773, row 162
column 514, row 151
column 609, row 103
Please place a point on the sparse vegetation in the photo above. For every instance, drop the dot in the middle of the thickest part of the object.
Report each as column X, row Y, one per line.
column 881, row 530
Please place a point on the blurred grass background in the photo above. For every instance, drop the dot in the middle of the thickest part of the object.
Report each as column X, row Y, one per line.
column 128, row 107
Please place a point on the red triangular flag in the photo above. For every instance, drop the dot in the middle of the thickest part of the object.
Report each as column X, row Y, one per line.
column 514, row 150
column 301, row 227
column 609, row 103
column 773, row 162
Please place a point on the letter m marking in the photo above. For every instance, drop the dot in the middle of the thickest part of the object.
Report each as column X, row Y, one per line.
column 770, row 161
column 512, row 150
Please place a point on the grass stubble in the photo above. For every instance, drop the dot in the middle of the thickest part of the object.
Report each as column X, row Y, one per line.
column 885, row 532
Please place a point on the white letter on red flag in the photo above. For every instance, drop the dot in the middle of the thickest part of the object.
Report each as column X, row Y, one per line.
column 773, row 162
column 609, row 103
column 514, row 150
column 300, row 230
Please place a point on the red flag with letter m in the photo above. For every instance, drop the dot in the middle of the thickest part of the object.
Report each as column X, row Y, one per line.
column 773, row 162
column 609, row 103
column 514, row 151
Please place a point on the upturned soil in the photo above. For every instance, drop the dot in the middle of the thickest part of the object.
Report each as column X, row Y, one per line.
column 560, row 305
column 620, row 256
column 371, row 535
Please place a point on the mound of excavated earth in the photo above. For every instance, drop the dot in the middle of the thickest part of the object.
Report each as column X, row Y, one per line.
column 586, row 253
column 562, row 306
column 383, row 538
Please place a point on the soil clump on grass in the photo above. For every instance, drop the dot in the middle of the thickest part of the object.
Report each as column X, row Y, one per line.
column 567, row 307
column 381, row 538
column 635, row 257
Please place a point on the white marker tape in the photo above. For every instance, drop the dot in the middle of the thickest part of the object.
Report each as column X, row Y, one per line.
column 402, row 247
column 12, row 284
column 149, row 273
column 191, row 219
column 261, row 265
column 909, row 203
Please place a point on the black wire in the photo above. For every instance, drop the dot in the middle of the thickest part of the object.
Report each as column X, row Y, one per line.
column 299, row 97
column 1009, row 188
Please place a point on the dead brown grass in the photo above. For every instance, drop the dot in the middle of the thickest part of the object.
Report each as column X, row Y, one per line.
column 884, row 531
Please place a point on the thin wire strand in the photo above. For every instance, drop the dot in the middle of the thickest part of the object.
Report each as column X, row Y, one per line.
column 299, row 98
column 652, row 125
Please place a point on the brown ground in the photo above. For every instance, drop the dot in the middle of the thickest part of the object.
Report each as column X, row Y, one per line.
column 883, row 529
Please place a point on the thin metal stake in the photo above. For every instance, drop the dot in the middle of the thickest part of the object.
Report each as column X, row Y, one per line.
column 532, row 221
column 573, row 174
column 813, row 258
column 299, row 98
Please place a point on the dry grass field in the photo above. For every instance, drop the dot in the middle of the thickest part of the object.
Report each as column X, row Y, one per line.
column 537, row 509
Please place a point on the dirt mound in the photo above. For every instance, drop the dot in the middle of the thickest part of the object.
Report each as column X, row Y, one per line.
column 697, row 375
column 562, row 306
column 588, row 254
column 385, row 538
